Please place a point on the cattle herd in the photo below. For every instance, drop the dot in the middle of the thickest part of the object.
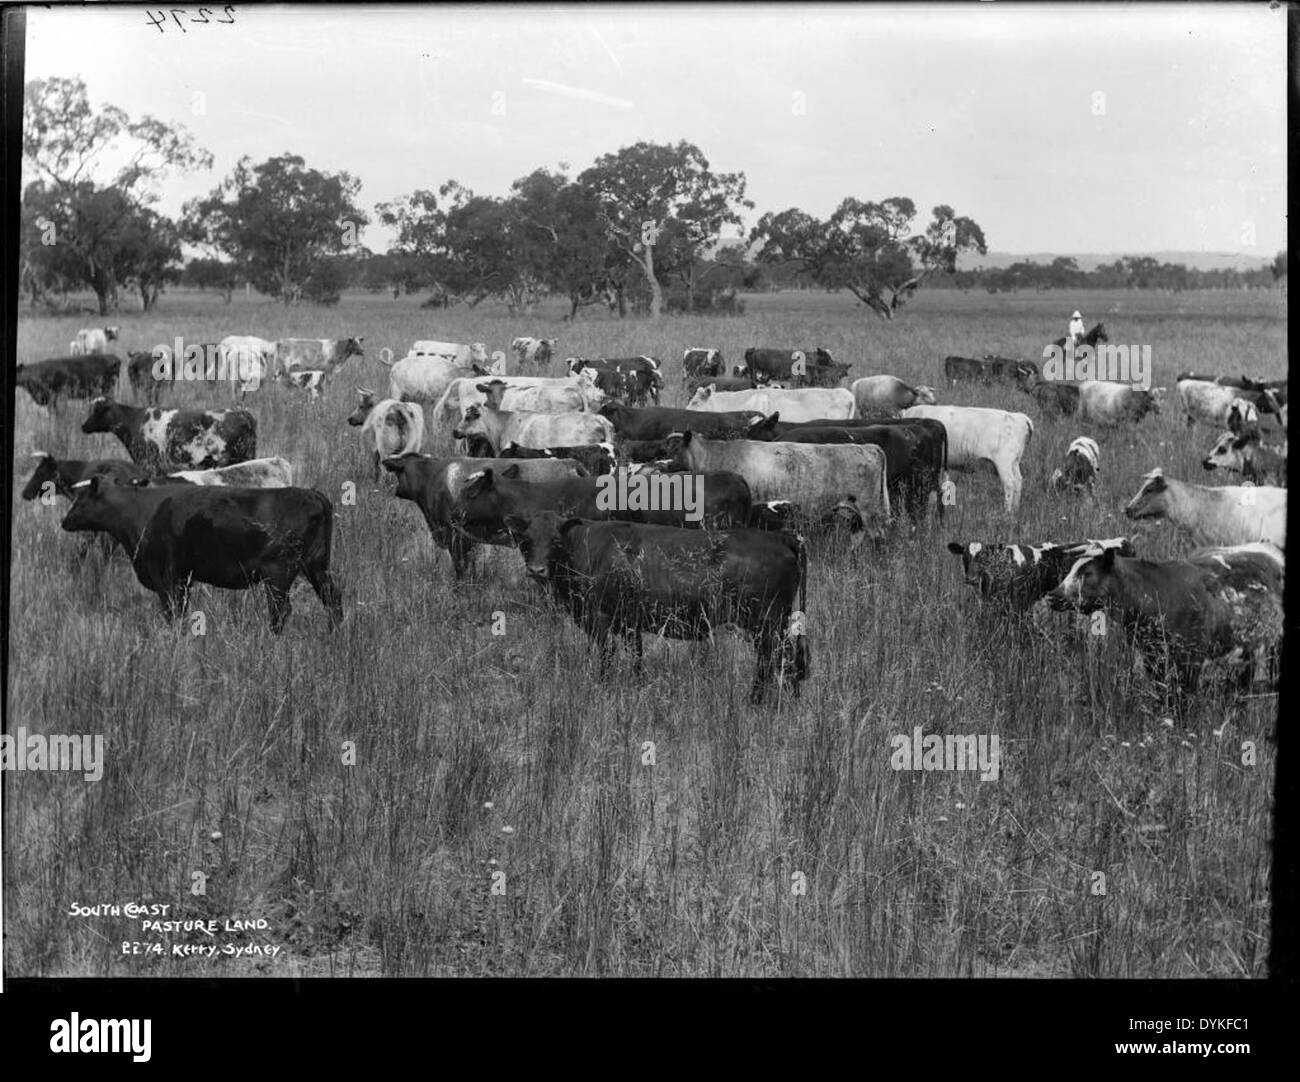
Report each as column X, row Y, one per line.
column 782, row 449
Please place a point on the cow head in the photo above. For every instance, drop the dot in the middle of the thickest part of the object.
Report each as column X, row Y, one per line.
column 111, row 333
column 481, row 447
column 925, row 396
column 763, row 428
column 411, row 471
column 471, row 424
column 1242, row 415
column 104, row 415
column 1088, row 583
column 542, row 541
column 1151, row 500
column 46, row 471
column 495, row 391
column 823, row 357
column 364, row 406
column 701, row 396
column 91, row 505
column 352, row 348
column 1228, row 452
column 478, row 352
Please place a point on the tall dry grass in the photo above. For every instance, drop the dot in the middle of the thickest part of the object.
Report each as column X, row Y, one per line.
column 479, row 754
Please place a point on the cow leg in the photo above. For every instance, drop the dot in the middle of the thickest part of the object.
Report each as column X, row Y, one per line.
column 374, row 466
column 1012, row 483
column 327, row 590
column 278, row 604
column 763, row 650
column 632, row 639
column 462, row 554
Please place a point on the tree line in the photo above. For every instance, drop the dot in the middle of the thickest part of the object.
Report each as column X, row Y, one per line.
column 1127, row 272
column 642, row 229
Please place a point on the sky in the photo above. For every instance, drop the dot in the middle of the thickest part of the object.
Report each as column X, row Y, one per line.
column 1056, row 127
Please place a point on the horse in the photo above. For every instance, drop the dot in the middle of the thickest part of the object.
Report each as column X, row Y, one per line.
column 1097, row 334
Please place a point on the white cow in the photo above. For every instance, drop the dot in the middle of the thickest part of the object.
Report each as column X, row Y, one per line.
column 531, row 429
column 310, row 380
column 872, row 393
column 255, row 473
column 93, row 340
column 388, row 427
column 252, row 358
column 533, row 350
column 422, row 377
column 535, row 393
column 1230, row 515
column 977, row 434
column 801, row 404
column 1212, row 403
column 457, row 352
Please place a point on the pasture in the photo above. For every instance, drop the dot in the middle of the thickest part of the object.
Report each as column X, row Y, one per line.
column 502, row 816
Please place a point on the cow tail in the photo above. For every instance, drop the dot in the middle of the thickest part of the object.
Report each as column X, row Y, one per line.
column 802, row 552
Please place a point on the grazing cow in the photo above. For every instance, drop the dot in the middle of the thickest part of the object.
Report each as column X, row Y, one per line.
column 329, row 354
column 634, row 380
column 253, row 358
column 1082, row 466
column 1212, row 403
column 769, row 364
column 794, row 405
column 1244, row 383
column 1231, row 515
column 60, row 474
column 817, row 477
column 1109, row 404
column 964, row 370
column 93, row 340
column 68, row 377
column 538, row 394
column 976, row 434
column 1220, row 606
column 531, row 428
column 310, row 380
column 702, row 362
column 461, row 355
column 436, row 487
column 910, row 482
column 623, row 578
column 1018, row 576
column 1244, row 454
column 418, row 378
column 532, row 350
column 890, row 392
column 200, row 361
column 659, row 422
column 233, row 538
column 165, row 440
column 595, row 458
column 390, row 427
column 1056, row 398
column 990, row 369
column 255, row 473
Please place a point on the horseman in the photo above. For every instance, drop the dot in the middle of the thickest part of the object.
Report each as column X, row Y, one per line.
column 1077, row 331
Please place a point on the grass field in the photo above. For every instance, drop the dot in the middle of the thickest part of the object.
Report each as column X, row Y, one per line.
column 502, row 817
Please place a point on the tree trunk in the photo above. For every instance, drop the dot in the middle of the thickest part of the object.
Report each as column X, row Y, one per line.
column 656, row 290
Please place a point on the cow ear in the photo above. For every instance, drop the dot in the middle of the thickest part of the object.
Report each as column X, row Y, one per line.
column 517, row 527
column 956, row 547
column 482, row 388
column 511, row 471
column 568, row 524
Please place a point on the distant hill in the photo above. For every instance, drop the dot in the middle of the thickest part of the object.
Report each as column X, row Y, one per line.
column 1203, row 261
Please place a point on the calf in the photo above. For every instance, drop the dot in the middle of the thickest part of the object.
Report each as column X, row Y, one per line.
column 93, row 340
column 764, row 365
column 164, row 440
column 1019, row 576
column 1110, row 404
column 989, row 435
column 436, row 487
column 532, row 350
column 1244, row 454
column 311, row 380
column 233, row 538
column 1231, row 515
column 58, row 475
column 68, row 377
column 1223, row 606
column 391, row 428
column 624, row 578
column 702, row 362
column 595, row 458
column 529, row 428
column 635, row 380
column 1082, row 466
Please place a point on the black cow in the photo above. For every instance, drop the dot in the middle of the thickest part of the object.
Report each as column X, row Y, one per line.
column 765, row 365
column 659, row 422
column 622, row 578
column 163, row 440
column 595, row 458
column 641, row 451
column 1054, row 397
column 69, row 377
column 63, row 473
column 964, row 370
column 233, row 538
column 702, row 362
column 720, row 383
